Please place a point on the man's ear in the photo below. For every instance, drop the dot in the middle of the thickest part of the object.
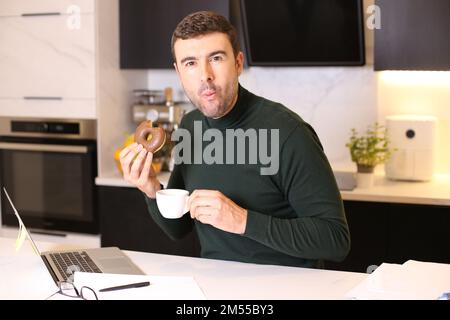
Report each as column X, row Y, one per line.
column 176, row 68
column 240, row 62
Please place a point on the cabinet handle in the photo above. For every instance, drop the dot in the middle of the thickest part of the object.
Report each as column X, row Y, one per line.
column 43, row 147
column 41, row 14
column 42, row 98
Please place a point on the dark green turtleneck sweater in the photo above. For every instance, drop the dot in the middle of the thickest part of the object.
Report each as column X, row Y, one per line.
column 295, row 216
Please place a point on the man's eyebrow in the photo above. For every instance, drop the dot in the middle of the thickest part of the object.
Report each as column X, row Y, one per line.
column 217, row 52
column 209, row 55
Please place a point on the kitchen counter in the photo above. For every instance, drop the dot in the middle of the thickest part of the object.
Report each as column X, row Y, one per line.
column 435, row 192
column 116, row 180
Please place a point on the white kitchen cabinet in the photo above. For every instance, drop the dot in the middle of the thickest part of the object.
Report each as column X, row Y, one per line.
column 41, row 57
column 77, row 68
column 47, row 65
column 19, row 7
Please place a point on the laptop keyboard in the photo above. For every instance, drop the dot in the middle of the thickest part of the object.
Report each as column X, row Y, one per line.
column 69, row 262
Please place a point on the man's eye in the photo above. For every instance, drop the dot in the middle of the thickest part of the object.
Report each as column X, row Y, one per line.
column 189, row 63
column 217, row 58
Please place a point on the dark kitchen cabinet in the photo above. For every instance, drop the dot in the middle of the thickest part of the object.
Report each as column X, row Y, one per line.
column 146, row 28
column 369, row 235
column 419, row 232
column 414, row 35
column 126, row 223
column 394, row 233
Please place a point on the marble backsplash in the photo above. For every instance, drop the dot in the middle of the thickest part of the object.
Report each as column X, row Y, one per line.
column 333, row 99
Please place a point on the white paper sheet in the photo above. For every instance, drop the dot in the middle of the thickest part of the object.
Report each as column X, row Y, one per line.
column 412, row 280
column 160, row 288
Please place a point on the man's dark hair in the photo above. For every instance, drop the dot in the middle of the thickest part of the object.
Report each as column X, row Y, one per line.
column 202, row 23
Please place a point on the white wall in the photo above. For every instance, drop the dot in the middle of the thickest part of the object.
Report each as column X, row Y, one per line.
column 114, row 88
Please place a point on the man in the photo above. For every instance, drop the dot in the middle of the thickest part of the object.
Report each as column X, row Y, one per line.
column 292, row 215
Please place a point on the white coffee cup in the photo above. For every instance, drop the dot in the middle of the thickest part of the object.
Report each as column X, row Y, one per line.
column 172, row 203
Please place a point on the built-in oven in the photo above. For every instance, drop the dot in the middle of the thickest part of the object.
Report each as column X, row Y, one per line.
column 48, row 167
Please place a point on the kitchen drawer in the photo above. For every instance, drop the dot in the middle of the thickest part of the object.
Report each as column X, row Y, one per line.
column 18, row 7
column 65, row 108
column 41, row 56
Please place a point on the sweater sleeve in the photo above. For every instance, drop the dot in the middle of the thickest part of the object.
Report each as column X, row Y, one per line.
column 174, row 228
column 319, row 228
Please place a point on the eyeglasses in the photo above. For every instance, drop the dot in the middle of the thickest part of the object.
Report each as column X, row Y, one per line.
column 68, row 289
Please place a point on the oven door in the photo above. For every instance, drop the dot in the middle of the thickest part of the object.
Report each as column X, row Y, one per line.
column 50, row 182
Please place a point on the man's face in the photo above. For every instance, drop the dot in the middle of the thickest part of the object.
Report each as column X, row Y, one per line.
column 209, row 72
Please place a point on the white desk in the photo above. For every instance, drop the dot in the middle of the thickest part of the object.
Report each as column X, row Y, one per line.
column 21, row 272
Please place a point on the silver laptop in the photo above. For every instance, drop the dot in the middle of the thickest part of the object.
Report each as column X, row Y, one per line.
column 63, row 263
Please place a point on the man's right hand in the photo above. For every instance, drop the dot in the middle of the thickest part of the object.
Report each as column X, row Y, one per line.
column 137, row 169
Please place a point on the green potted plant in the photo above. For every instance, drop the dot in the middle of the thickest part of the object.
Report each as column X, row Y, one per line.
column 368, row 150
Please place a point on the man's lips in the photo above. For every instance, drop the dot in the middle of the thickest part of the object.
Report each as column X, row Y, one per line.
column 208, row 94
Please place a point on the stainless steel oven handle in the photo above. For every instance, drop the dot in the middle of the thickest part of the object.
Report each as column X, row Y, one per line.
column 43, row 147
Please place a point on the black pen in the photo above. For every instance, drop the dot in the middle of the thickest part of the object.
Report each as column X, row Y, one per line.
column 126, row 286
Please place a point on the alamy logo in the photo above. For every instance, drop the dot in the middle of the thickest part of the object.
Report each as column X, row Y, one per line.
column 374, row 19
column 235, row 146
column 74, row 19
column 71, row 270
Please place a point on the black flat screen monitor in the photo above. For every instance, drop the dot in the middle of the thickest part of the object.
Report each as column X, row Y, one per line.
column 303, row 32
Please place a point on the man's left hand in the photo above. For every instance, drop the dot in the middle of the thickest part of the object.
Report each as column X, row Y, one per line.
column 212, row 207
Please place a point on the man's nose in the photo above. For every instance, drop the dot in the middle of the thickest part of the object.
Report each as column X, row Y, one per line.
column 207, row 73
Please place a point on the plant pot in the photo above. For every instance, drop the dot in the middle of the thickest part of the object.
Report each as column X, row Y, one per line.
column 364, row 176
column 364, row 168
column 364, row 180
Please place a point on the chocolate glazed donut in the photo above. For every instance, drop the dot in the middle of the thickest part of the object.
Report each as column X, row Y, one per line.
column 152, row 139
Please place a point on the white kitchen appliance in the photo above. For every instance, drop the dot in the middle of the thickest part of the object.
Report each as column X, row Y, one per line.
column 413, row 137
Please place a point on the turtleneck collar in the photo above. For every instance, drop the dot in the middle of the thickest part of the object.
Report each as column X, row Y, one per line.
column 232, row 118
